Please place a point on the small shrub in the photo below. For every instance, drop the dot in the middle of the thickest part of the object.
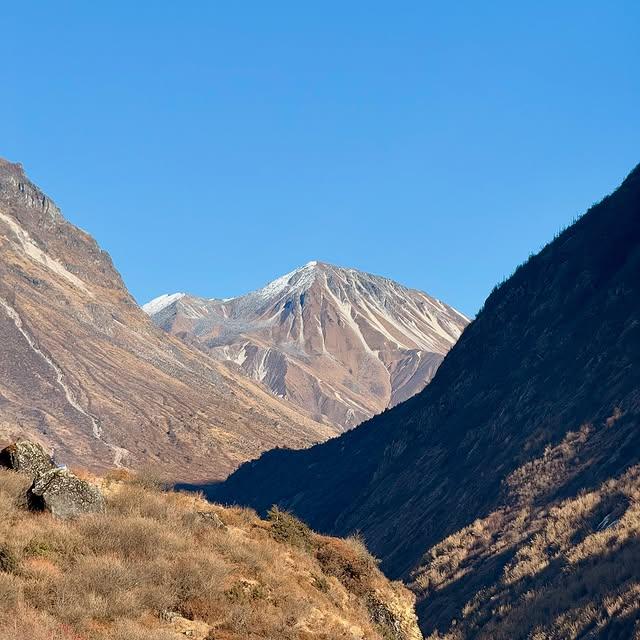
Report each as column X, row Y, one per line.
column 149, row 479
column 244, row 591
column 10, row 593
column 348, row 561
column 320, row 582
column 285, row 527
column 13, row 488
column 9, row 561
column 38, row 548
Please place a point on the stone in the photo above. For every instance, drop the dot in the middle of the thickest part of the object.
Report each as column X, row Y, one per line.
column 184, row 626
column 212, row 518
column 64, row 495
column 26, row 457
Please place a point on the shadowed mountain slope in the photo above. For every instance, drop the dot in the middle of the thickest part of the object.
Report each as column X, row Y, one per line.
column 338, row 343
column 555, row 350
column 84, row 370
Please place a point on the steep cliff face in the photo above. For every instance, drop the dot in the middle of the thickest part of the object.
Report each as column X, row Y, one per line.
column 84, row 370
column 555, row 349
column 338, row 343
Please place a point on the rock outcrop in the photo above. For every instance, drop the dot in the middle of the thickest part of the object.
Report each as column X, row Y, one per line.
column 54, row 489
column 26, row 457
column 64, row 495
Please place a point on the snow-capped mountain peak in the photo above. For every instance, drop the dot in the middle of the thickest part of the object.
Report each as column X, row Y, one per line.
column 161, row 302
column 341, row 343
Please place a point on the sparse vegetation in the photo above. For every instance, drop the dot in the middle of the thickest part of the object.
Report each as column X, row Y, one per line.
column 285, row 527
column 8, row 560
column 539, row 568
column 157, row 567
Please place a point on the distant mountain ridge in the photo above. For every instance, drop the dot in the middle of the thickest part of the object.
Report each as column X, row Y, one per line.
column 339, row 343
column 84, row 371
column 508, row 490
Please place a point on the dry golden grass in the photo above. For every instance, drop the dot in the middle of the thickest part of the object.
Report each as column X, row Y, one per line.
column 154, row 568
column 541, row 567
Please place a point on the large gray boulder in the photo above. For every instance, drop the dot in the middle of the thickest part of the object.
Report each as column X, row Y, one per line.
column 64, row 495
column 26, row 457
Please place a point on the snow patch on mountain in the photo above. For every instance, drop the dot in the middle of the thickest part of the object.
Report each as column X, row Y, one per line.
column 158, row 304
column 298, row 280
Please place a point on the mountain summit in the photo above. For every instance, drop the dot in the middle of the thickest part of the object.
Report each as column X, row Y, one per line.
column 342, row 344
column 86, row 373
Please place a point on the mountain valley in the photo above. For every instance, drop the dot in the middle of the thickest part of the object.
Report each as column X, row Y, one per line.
column 505, row 492
column 498, row 477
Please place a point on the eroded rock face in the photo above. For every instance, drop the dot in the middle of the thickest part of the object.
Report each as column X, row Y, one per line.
column 26, row 457
column 340, row 344
column 64, row 495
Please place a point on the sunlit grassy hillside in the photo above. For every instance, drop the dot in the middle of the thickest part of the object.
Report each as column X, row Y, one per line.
column 161, row 565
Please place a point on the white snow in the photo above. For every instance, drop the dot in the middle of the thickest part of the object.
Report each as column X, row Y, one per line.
column 298, row 280
column 242, row 355
column 161, row 302
column 261, row 370
column 229, row 353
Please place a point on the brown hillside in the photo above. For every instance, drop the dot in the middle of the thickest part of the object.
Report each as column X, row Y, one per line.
column 84, row 370
column 542, row 567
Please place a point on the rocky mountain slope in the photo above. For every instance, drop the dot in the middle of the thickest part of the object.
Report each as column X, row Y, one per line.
column 84, row 370
column 338, row 343
column 506, row 490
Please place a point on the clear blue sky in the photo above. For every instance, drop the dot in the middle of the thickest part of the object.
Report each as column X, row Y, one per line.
column 212, row 146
